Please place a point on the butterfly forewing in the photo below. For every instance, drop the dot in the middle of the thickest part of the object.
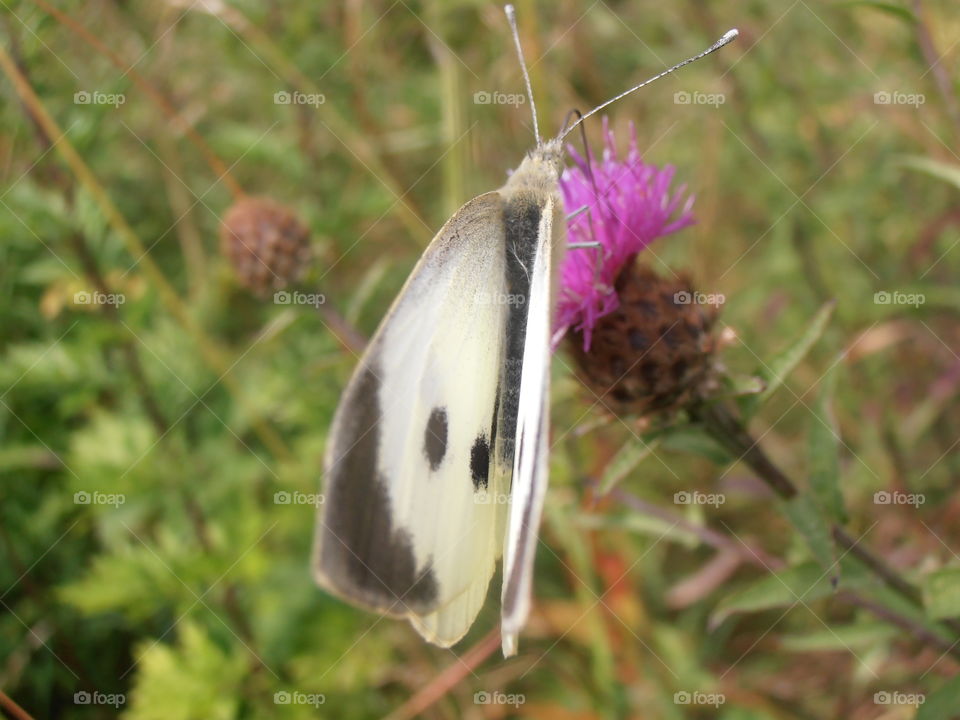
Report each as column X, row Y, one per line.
column 446, row 416
column 410, row 525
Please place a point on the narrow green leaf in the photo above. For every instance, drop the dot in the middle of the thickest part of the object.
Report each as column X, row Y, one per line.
column 739, row 385
column 941, row 593
column 942, row 171
column 19, row 457
column 810, row 521
column 577, row 555
column 840, row 637
column 802, row 583
column 695, row 441
column 739, row 713
column 626, row 459
column 942, row 703
column 775, row 372
column 824, row 448
column 890, row 8
column 658, row 528
column 370, row 283
column 889, row 598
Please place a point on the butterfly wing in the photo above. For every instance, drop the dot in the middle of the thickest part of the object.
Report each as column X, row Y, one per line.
column 532, row 428
column 406, row 528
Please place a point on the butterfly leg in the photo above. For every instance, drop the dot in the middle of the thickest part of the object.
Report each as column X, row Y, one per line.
column 594, row 243
column 578, row 212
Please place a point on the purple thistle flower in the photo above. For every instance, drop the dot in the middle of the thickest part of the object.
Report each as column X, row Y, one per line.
column 631, row 205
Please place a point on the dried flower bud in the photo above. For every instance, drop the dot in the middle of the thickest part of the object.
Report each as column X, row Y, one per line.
column 266, row 244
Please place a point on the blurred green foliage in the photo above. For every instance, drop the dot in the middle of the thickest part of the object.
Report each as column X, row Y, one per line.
column 144, row 549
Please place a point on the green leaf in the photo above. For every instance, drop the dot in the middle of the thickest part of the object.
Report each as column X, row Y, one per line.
column 941, row 593
column 890, row 8
column 855, row 575
column 793, row 586
column 197, row 679
column 739, row 385
column 130, row 580
column 942, row 171
column 942, row 703
column 626, row 460
column 28, row 455
column 839, row 638
column 775, row 372
column 578, row 553
column 696, row 441
column 735, row 713
column 824, row 444
column 810, row 521
column 659, row 528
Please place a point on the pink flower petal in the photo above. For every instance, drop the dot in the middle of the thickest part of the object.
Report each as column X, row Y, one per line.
column 631, row 205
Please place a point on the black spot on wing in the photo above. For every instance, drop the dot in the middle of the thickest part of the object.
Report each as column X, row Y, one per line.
column 435, row 437
column 480, row 462
column 364, row 554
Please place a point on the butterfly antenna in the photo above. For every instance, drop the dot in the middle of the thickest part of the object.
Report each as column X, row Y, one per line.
column 728, row 37
column 512, row 19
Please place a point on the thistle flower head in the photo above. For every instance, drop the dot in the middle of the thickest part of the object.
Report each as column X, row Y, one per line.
column 642, row 342
column 631, row 204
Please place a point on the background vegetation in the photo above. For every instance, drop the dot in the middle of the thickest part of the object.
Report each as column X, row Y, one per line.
column 195, row 402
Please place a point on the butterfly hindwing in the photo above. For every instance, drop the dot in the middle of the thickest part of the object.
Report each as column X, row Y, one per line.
column 532, row 426
column 408, row 527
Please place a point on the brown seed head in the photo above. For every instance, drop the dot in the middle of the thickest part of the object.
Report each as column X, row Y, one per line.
column 266, row 244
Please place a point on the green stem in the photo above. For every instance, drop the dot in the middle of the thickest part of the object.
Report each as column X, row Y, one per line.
column 720, row 422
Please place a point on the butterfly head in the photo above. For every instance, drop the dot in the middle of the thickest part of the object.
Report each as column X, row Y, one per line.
column 541, row 168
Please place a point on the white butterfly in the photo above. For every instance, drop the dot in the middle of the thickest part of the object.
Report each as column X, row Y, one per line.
column 437, row 457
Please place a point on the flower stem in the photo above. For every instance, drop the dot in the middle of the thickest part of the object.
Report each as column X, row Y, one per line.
column 729, row 431
column 720, row 422
column 17, row 712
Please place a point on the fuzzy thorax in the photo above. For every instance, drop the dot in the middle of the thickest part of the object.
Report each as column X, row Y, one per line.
column 540, row 169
